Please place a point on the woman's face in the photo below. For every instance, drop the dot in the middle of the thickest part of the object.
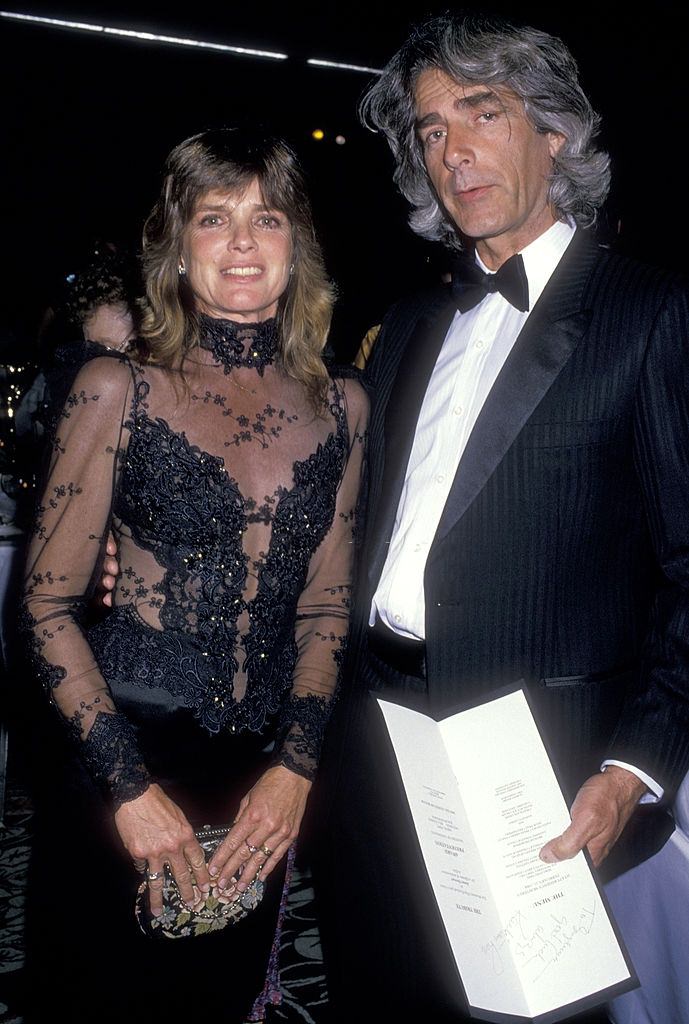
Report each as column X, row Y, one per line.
column 236, row 252
column 110, row 324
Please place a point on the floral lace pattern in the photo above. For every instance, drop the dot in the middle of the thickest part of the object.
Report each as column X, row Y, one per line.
column 236, row 557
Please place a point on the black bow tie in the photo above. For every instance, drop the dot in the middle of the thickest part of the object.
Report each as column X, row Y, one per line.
column 470, row 284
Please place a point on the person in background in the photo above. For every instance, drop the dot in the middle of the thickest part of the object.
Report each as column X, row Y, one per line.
column 226, row 459
column 104, row 300
column 528, row 495
column 363, row 353
column 98, row 311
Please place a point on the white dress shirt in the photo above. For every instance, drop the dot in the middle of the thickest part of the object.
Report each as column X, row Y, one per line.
column 474, row 351
column 472, row 355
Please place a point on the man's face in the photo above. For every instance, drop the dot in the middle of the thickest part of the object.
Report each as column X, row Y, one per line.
column 488, row 165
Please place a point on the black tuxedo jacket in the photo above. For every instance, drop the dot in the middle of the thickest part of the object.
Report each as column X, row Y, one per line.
column 562, row 555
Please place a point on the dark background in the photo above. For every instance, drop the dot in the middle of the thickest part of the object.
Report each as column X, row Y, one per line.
column 88, row 120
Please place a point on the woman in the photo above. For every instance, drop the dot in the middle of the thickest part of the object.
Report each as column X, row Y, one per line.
column 227, row 463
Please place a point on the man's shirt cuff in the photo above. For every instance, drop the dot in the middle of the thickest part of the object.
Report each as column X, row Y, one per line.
column 655, row 791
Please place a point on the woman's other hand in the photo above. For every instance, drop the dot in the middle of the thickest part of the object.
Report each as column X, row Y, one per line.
column 268, row 821
column 155, row 832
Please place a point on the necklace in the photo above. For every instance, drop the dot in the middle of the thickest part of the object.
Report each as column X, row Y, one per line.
column 249, row 391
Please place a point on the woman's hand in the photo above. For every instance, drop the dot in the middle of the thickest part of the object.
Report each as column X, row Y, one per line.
column 268, row 821
column 155, row 832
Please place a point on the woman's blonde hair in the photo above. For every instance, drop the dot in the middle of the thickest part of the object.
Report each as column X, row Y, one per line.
column 230, row 159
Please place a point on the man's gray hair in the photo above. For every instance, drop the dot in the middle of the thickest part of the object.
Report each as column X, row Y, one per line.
column 534, row 65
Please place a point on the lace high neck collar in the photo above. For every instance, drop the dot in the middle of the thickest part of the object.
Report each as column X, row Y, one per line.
column 239, row 344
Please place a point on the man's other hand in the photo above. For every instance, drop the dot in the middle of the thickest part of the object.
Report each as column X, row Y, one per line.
column 111, row 569
column 601, row 809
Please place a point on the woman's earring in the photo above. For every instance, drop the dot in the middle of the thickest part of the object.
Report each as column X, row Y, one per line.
column 181, row 269
column 291, row 269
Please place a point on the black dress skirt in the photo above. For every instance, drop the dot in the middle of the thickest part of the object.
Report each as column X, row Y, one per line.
column 87, row 959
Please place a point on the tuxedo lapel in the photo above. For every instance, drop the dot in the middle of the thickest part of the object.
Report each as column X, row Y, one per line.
column 552, row 331
column 401, row 416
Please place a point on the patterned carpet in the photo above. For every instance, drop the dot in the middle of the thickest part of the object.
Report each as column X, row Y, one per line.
column 15, row 837
column 301, row 974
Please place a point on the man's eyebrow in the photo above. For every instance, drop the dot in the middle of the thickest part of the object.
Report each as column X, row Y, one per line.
column 470, row 102
column 477, row 99
column 428, row 119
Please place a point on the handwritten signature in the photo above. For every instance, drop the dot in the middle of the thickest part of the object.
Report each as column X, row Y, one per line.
column 538, row 945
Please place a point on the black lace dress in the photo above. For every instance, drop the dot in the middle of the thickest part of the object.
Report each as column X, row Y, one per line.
column 233, row 507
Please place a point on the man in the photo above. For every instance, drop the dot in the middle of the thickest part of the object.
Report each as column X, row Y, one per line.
column 529, row 486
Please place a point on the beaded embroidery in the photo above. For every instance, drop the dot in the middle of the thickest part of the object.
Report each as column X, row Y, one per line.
column 235, row 575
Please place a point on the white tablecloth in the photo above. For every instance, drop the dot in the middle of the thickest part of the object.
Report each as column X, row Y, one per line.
column 651, row 906
column 10, row 555
column 10, row 565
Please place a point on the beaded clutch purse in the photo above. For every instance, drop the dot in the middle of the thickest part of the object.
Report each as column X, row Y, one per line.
column 179, row 920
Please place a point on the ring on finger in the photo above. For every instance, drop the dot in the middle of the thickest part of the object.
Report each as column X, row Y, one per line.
column 252, row 849
column 153, row 876
column 266, row 851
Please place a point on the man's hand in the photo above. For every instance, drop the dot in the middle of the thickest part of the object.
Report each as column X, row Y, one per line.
column 601, row 809
column 111, row 569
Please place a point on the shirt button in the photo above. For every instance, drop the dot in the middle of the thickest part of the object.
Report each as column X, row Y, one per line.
column 398, row 619
column 439, row 478
column 458, row 410
column 418, row 547
column 479, row 344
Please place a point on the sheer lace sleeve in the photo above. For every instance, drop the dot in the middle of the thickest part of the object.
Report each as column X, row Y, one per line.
column 323, row 609
column 63, row 563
